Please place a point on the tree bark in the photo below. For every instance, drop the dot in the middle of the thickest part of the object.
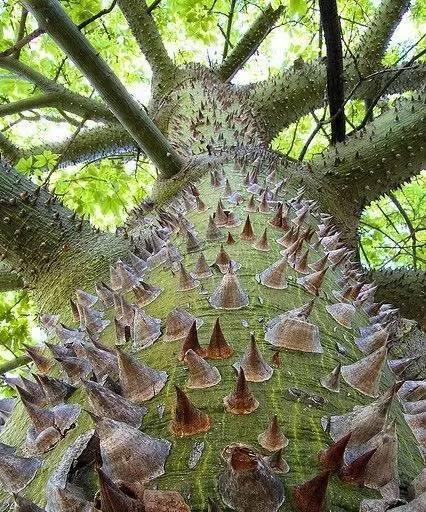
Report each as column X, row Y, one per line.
column 249, row 43
column 9, row 280
column 330, row 23
column 47, row 246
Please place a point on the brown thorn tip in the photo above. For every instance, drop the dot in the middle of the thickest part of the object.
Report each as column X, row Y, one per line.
column 331, row 459
column 191, row 343
column 247, row 232
column 256, row 369
column 218, row 347
column 241, row 400
column 310, row 496
column 201, row 373
column 273, row 438
column 354, row 472
column 188, row 419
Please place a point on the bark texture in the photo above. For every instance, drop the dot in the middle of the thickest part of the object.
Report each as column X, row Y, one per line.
column 200, row 253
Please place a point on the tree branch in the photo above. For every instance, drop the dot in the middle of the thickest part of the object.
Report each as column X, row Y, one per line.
column 9, row 280
column 388, row 152
column 335, row 85
column 405, row 288
column 47, row 245
column 249, row 43
column 293, row 93
column 228, row 29
column 21, row 31
column 8, row 366
column 90, row 144
column 145, row 31
column 53, row 19
column 67, row 100
column 376, row 38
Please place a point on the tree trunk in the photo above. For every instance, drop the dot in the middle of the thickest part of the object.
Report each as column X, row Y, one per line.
column 77, row 258
column 243, row 208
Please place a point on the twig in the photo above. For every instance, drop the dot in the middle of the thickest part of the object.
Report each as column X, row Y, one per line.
column 311, row 136
column 153, row 6
column 293, row 138
column 228, row 29
column 410, row 226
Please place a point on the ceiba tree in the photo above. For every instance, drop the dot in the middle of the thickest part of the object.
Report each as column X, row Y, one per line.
column 225, row 350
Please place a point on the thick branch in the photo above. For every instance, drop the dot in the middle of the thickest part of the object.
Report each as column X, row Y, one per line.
column 66, row 99
column 88, row 145
column 384, row 155
column 145, row 31
column 55, row 21
column 335, row 86
column 249, row 43
column 47, row 246
column 376, row 38
column 9, row 280
column 293, row 93
column 405, row 289
column 368, row 164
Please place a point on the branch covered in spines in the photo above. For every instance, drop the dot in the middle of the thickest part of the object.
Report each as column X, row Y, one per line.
column 52, row 18
column 293, row 93
column 56, row 95
column 403, row 287
column 388, row 152
column 145, row 31
column 249, row 43
column 46, row 244
column 91, row 144
column 375, row 40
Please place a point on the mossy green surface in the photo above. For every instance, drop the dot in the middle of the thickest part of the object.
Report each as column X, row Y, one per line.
column 300, row 420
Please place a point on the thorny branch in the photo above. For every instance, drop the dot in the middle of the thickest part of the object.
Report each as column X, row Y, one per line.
column 249, row 43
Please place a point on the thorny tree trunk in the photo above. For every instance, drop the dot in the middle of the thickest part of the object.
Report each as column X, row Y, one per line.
column 216, row 128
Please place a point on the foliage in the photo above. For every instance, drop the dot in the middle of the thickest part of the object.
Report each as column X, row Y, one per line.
column 386, row 240
column 17, row 325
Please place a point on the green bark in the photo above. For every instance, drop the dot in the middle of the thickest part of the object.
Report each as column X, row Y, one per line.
column 9, row 280
column 53, row 251
column 293, row 393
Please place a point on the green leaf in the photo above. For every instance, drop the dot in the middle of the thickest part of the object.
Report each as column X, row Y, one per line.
column 297, row 7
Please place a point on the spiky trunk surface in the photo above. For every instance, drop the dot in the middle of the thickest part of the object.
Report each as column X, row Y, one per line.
column 294, row 393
